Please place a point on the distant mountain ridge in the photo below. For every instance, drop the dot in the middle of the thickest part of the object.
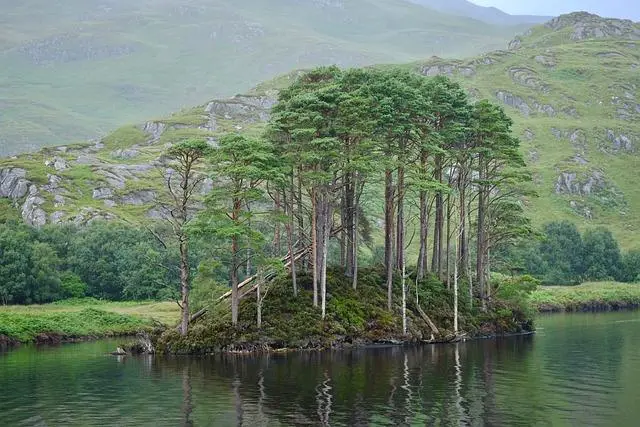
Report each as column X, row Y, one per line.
column 77, row 69
column 490, row 15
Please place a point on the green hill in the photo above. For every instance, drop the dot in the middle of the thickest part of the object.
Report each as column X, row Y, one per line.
column 571, row 87
column 76, row 70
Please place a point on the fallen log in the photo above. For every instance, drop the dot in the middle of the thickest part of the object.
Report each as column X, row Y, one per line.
column 427, row 319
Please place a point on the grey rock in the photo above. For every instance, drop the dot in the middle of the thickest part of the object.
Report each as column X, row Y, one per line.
column 56, row 217
column 528, row 78
column 102, row 193
column 13, row 183
column 89, row 215
column 529, row 135
column 154, row 129
column 547, row 61
column 138, row 198
column 620, row 142
column 85, row 159
column 32, row 213
column 59, row 201
column 60, row 164
column 125, row 154
column 514, row 101
column 110, row 203
column 568, row 183
column 113, row 179
column 515, row 43
column 158, row 213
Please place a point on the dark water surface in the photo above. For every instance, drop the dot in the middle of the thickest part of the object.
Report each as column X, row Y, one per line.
column 579, row 370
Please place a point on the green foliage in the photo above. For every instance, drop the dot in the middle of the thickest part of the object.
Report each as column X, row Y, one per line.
column 564, row 257
column 631, row 266
column 602, row 259
column 103, row 260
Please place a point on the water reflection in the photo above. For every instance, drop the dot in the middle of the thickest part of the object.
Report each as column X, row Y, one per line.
column 546, row 380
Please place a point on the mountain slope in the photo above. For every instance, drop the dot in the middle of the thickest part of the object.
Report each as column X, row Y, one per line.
column 570, row 86
column 77, row 69
column 490, row 15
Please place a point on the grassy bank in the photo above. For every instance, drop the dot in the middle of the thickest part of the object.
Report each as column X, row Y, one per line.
column 354, row 317
column 600, row 296
column 70, row 320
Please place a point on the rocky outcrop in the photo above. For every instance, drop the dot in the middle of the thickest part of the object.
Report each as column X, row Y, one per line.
column 139, row 198
column 525, row 108
column 13, row 183
column 585, row 185
column 546, row 60
column 88, row 215
column 125, row 154
column 32, row 213
column 154, row 129
column 585, row 25
column 619, row 142
column 102, row 193
column 242, row 108
column 528, row 78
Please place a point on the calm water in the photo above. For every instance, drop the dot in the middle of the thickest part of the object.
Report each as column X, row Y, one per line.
column 581, row 370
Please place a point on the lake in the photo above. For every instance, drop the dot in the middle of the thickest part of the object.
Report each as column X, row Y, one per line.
column 579, row 369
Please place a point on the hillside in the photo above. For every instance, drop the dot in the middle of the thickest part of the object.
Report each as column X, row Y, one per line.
column 571, row 87
column 76, row 70
column 490, row 15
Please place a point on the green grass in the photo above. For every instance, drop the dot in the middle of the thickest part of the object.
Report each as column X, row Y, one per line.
column 589, row 296
column 84, row 318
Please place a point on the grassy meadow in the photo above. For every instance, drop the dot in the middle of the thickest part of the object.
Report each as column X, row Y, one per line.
column 84, row 318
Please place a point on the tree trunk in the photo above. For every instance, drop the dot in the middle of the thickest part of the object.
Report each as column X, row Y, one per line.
column 290, row 239
column 404, row 295
column 436, row 264
column 277, row 233
column 462, row 241
column 448, row 254
column 424, row 237
column 184, row 284
column 400, row 219
column 349, row 222
column 259, row 303
column 233, row 269
column 388, row 238
column 354, row 240
column 314, row 245
column 481, row 244
column 322, row 236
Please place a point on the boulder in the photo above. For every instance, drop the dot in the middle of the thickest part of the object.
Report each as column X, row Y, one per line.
column 138, row 198
column 13, row 183
column 102, row 193
column 32, row 213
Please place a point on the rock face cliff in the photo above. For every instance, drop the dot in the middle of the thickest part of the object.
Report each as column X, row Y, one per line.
column 121, row 175
column 571, row 87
